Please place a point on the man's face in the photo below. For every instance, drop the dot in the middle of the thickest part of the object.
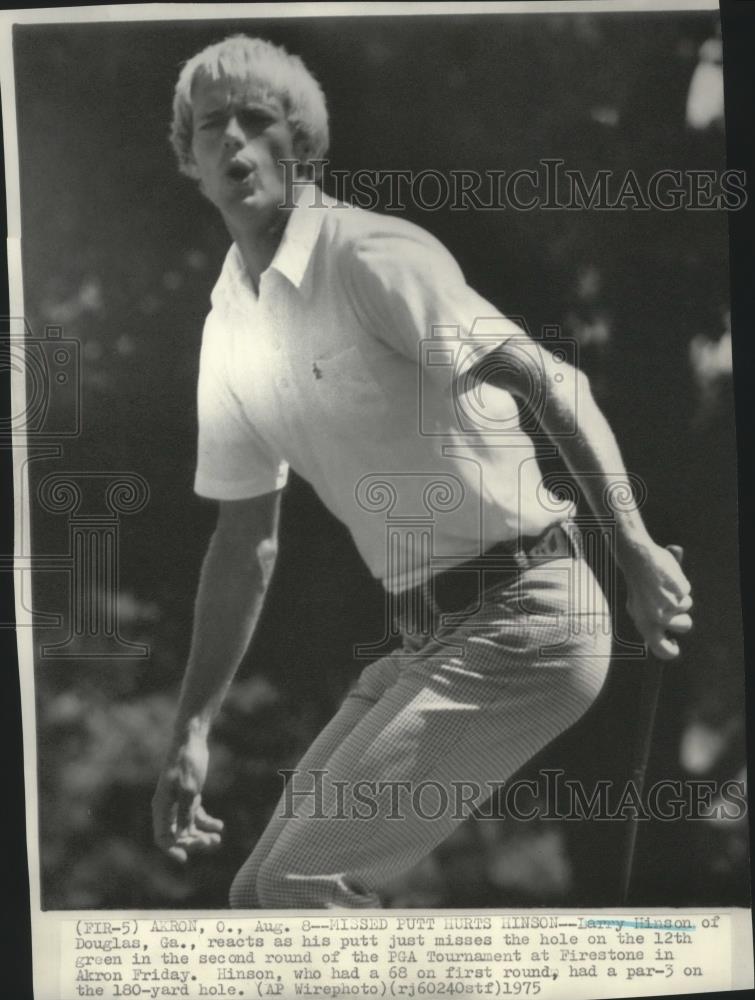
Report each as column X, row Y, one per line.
column 239, row 137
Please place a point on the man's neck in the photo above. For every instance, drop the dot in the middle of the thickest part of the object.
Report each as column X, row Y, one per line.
column 258, row 244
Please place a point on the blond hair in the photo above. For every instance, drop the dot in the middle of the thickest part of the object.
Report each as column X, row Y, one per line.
column 274, row 71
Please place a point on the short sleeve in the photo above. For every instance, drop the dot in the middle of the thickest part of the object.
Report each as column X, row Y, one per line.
column 410, row 292
column 233, row 461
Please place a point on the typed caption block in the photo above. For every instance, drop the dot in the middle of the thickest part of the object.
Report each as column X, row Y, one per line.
column 452, row 955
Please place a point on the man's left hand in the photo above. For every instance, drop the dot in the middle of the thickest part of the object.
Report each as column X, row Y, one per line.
column 659, row 599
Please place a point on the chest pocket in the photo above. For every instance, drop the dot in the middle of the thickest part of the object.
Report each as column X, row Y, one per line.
column 347, row 390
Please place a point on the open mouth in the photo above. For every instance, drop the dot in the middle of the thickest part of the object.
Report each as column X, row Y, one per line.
column 239, row 171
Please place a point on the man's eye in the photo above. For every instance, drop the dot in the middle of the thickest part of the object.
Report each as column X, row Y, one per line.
column 210, row 123
column 255, row 119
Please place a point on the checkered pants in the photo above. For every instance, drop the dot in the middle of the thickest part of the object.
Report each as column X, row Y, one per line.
column 471, row 701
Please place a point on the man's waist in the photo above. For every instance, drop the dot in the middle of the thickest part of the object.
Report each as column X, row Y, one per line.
column 462, row 583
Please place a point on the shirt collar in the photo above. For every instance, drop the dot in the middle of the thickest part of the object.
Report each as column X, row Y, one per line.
column 234, row 289
column 300, row 235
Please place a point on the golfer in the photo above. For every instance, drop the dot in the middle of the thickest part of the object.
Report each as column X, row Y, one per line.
column 347, row 345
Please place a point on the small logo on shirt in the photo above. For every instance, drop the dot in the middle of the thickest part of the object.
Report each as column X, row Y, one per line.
column 316, row 371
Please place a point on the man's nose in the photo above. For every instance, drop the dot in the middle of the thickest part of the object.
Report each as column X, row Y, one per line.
column 234, row 134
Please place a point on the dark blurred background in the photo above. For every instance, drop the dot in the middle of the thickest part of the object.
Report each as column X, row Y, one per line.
column 121, row 252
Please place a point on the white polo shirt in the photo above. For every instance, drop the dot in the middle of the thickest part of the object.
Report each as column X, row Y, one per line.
column 343, row 368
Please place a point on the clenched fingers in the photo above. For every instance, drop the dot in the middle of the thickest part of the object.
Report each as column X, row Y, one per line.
column 679, row 623
column 659, row 644
column 685, row 603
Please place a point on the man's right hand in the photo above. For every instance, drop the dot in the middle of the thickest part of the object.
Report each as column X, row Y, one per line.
column 231, row 590
column 181, row 826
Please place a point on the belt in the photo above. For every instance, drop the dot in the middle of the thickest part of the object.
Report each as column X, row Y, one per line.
column 462, row 584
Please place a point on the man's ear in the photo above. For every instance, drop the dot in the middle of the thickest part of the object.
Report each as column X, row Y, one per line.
column 191, row 170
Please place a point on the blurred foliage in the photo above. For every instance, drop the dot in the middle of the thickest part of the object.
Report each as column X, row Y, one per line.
column 123, row 253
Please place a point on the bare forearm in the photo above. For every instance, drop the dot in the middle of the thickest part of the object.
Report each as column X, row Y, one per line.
column 593, row 456
column 560, row 394
column 231, row 590
column 229, row 600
